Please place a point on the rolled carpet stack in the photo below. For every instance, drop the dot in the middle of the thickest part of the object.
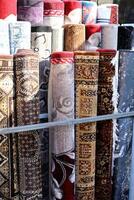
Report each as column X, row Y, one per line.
column 109, row 37
column 125, row 37
column 104, row 136
column 53, row 13
column 74, row 37
column 93, row 36
column 57, row 39
column 26, row 71
column 86, row 85
column 20, row 36
column 89, row 12
column 73, row 12
column 8, row 10
column 61, row 107
column 4, row 38
column 6, row 110
column 31, row 11
column 124, row 131
column 108, row 13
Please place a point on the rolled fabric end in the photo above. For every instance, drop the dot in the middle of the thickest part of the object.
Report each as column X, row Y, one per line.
column 73, row 12
column 25, row 52
column 62, row 57
column 8, row 10
column 106, row 50
column 53, row 8
column 72, row 5
column 93, row 36
column 89, row 12
column 108, row 13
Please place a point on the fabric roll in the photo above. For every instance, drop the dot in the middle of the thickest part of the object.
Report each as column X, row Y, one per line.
column 73, row 12
column 41, row 44
column 4, row 41
column 61, row 107
column 89, row 12
column 104, row 137
column 109, row 37
column 86, row 85
column 57, row 39
column 31, row 11
column 53, row 13
column 124, row 132
column 74, row 37
column 93, row 36
column 108, row 13
column 8, row 10
column 20, row 36
column 26, row 72
column 6, row 120
column 125, row 37
column 131, row 191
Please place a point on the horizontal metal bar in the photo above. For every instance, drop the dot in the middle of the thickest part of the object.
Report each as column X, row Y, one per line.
column 65, row 122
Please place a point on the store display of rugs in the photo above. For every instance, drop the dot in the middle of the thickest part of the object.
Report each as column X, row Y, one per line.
column 61, row 60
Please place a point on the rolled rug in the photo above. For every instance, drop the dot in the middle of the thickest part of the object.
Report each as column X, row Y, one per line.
column 6, row 120
column 31, row 11
column 20, row 36
column 4, row 41
column 42, row 44
column 8, row 10
column 86, row 85
column 26, row 81
column 61, row 107
column 104, row 136
column 132, row 47
column 53, row 13
column 124, row 131
column 89, row 12
column 109, row 37
column 57, row 39
column 74, row 37
column 125, row 37
column 108, row 13
column 73, row 12
column 93, row 36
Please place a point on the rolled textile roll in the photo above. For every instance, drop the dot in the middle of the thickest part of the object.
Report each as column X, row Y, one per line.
column 42, row 41
column 73, row 12
column 26, row 71
column 125, row 37
column 4, row 38
column 8, row 10
column 31, row 11
column 61, row 106
column 93, row 36
column 20, row 36
column 42, row 44
column 124, row 131
column 86, row 85
column 104, row 136
column 74, row 37
column 89, row 12
column 108, row 13
column 57, row 39
column 109, row 37
column 6, row 111
column 53, row 13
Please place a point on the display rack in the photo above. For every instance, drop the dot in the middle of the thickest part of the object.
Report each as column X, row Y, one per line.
column 18, row 129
